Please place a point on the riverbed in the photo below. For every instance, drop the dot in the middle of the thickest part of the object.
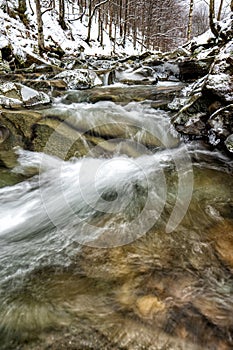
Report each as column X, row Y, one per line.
column 126, row 245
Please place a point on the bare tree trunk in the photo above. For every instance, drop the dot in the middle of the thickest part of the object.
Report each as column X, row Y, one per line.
column 220, row 10
column 89, row 21
column 40, row 27
column 62, row 14
column 190, row 21
column 100, row 28
column 232, row 5
column 110, row 20
column 134, row 31
column 91, row 14
column 121, row 19
column 114, row 45
column 125, row 21
column 101, row 33
column 212, row 18
column 149, row 24
column 22, row 12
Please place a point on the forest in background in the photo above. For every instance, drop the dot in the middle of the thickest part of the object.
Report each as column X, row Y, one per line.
column 151, row 25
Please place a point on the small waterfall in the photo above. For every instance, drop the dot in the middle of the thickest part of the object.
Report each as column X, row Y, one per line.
column 108, row 78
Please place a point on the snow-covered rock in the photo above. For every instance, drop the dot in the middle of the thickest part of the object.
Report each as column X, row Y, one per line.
column 140, row 75
column 79, row 79
column 15, row 95
column 205, row 107
column 221, row 85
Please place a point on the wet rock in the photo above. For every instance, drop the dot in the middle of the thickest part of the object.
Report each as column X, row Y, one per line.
column 221, row 125
column 47, row 85
column 57, row 132
column 123, row 95
column 168, row 71
column 19, row 122
column 16, row 131
column 56, row 138
column 4, row 133
column 149, row 305
column 107, row 76
column 222, row 235
column 194, row 126
column 35, row 131
column 7, row 143
column 191, row 70
column 79, row 79
column 8, row 178
column 19, row 77
column 229, row 143
column 15, row 95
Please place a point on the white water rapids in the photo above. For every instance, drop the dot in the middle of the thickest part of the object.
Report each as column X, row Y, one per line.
column 42, row 216
column 154, row 205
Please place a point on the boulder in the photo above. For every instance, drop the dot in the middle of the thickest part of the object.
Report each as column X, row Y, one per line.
column 52, row 85
column 15, row 95
column 121, row 94
column 140, row 76
column 79, row 79
column 220, row 86
column 38, row 132
column 14, row 131
column 191, row 70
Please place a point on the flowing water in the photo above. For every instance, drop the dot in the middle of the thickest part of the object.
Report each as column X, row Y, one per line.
column 127, row 247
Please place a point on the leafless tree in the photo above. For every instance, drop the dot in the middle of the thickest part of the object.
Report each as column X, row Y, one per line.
column 190, row 20
column 40, row 31
column 62, row 14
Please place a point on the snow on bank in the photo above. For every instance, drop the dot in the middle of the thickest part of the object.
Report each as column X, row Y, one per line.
column 24, row 40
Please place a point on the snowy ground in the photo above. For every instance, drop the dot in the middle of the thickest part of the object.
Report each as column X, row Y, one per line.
column 24, row 39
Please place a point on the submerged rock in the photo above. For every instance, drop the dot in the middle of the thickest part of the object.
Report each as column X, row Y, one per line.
column 148, row 306
column 222, row 236
column 67, row 132
column 4, row 133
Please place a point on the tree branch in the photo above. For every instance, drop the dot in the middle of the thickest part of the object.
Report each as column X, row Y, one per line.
column 77, row 18
column 49, row 9
column 97, row 6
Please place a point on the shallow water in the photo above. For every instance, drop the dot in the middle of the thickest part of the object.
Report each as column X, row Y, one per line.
column 120, row 249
